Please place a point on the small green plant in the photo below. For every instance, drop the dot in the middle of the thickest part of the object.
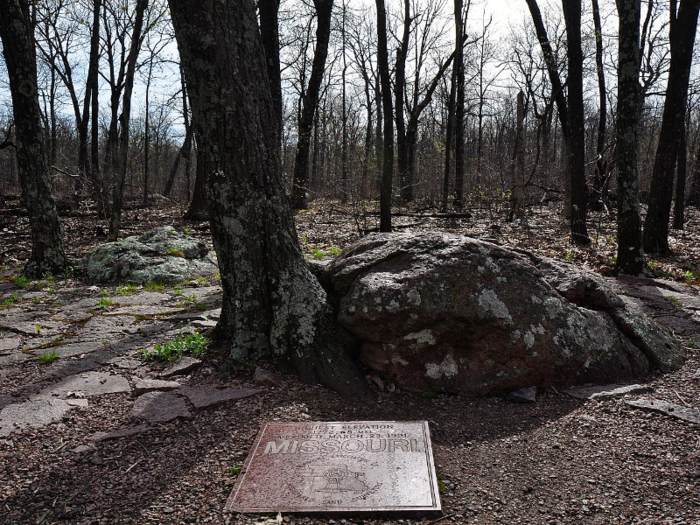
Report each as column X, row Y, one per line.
column 187, row 231
column 235, row 469
column 200, row 306
column 612, row 239
column 569, row 255
column 653, row 264
column 675, row 301
column 689, row 276
column 38, row 328
column 36, row 300
column 188, row 301
column 40, row 285
column 177, row 291
column 9, row 301
column 69, row 272
column 202, row 281
column 104, row 302
column 48, row 358
column 126, row 289
column 176, row 252
column 195, row 344
column 20, row 281
column 153, row 287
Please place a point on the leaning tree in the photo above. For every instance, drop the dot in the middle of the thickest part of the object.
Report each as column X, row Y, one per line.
column 273, row 307
column 17, row 33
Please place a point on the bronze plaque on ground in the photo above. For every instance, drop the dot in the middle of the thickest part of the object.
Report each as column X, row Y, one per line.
column 359, row 466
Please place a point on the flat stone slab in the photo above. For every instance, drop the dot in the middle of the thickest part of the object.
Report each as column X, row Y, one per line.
column 9, row 342
column 181, row 366
column 119, row 433
column 359, row 466
column 670, row 409
column 37, row 414
column 606, row 391
column 159, row 407
column 151, row 385
column 205, row 396
column 71, row 349
column 88, row 384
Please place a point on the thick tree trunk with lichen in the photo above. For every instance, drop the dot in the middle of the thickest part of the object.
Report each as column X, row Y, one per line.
column 273, row 307
column 630, row 255
column 17, row 35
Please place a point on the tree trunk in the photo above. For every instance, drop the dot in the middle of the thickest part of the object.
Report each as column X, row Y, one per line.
column 324, row 9
column 125, row 118
column 681, row 173
column 269, row 32
column 399, row 93
column 630, row 255
column 575, row 146
column 601, row 165
column 16, row 31
column 388, row 154
column 683, row 27
column 272, row 306
column 197, row 210
column 459, row 107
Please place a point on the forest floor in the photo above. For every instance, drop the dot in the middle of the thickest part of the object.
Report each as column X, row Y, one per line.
column 559, row 460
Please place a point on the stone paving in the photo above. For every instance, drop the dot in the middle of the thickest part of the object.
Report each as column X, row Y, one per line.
column 90, row 343
column 96, row 339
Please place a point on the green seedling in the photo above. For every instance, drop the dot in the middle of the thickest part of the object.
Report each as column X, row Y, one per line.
column 126, row 289
column 153, row 287
column 570, row 256
column 202, row 281
column 177, row 291
column 187, row 231
column 200, row 306
column 20, row 281
column 38, row 328
column 104, row 302
column 36, row 300
column 675, row 301
column 48, row 358
column 9, row 301
column 176, row 252
column 195, row 344
column 235, row 469
column 188, row 301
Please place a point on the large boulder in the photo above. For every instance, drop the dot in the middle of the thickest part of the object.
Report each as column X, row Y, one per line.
column 446, row 313
column 162, row 255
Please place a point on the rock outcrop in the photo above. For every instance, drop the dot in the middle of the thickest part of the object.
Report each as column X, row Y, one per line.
column 446, row 313
column 162, row 255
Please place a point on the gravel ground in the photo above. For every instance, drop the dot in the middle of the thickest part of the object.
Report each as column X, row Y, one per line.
column 558, row 460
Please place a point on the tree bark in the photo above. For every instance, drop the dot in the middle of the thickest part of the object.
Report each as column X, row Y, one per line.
column 17, row 33
column 575, row 144
column 459, row 108
column 683, row 28
column 272, row 306
column 630, row 254
column 197, row 210
column 601, row 165
column 385, row 189
column 399, row 92
column 681, row 174
column 324, row 9
column 269, row 33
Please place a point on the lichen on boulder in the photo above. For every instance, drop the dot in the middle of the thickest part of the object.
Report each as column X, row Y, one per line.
column 446, row 313
column 162, row 255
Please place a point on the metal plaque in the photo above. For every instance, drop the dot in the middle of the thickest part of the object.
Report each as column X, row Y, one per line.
column 358, row 466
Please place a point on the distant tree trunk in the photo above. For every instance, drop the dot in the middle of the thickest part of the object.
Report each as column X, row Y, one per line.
column 575, row 146
column 681, row 173
column 93, row 84
column 122, row 164
column 269, row 33
column 16, row 31
column 630, row 254
column 449, row 138
column 186, row 148
column 682, row 35
column 694, row 192
column 601, row 165
column 388, row 154
column 459, row 107
column 399, row 93
column 198, row 210
column 324, row 9
column 519, row 154
column 272, row 305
